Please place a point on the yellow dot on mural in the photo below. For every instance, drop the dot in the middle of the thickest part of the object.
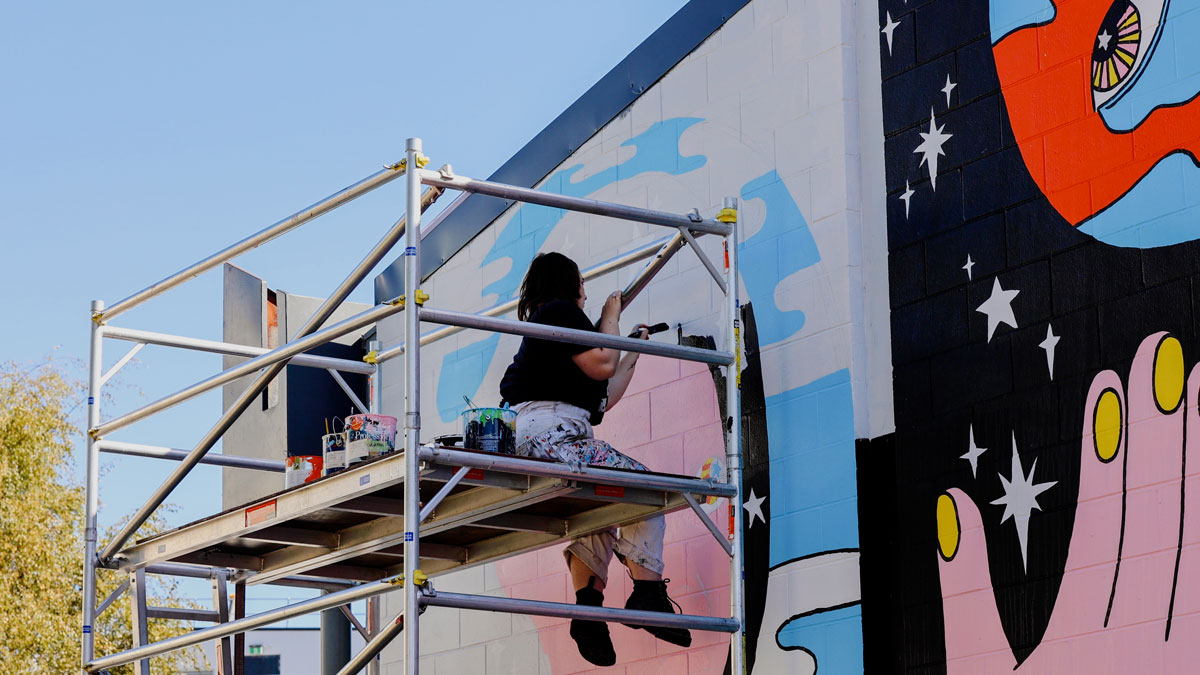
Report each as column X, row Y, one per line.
column 1168, row 374
column 947, row 524
column 1106, row 425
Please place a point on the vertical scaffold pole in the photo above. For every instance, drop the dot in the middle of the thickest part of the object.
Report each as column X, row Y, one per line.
column 733, row 453
column 412, row 406
column 92, row 481
column 375, row 403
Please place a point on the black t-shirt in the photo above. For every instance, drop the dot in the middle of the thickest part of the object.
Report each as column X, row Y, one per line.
column 543, row 370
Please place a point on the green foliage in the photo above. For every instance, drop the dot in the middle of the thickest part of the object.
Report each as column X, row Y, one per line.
column 41, row 538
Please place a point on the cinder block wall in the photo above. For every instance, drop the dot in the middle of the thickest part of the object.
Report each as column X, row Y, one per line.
column 770, row 109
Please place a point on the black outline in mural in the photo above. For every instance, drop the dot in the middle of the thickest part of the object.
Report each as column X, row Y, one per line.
column 1112, row 594
column 1124, row 194
column 818, row 554
column 1161, row 106
column 801, row 615
column 1154, row 373
column 1120, row 427
column 957, row 528
column 1018, row 29
column 1182, row 508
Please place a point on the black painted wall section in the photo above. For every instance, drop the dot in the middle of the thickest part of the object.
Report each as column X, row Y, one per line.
column 313, row 397
column 948, row 376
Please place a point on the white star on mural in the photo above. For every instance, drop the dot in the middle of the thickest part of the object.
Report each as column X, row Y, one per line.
column 1103, row 39
column 931, row 147
column 969, row 266
column 753, row 506
column 973, row 452
column 908, row 193
column 998, row 308
column 887, row 30
column 1049, row 344
column 948, row 88
column 1020, row 498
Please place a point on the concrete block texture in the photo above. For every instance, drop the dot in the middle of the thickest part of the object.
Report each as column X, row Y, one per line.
column 767, row 110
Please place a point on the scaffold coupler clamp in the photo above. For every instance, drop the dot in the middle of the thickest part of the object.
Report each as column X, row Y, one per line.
column 402, row 165
column 372, row 357
column 727, row 215
column 419, row 577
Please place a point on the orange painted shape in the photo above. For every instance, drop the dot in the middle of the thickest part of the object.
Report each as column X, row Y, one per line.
column 1045, row 75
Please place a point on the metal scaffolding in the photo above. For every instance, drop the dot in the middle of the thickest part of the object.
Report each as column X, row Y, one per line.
column 397, row 521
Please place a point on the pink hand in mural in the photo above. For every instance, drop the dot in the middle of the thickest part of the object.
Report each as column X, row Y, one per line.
column 1130, row 594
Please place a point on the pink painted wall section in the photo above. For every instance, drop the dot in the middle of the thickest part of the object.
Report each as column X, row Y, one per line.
column 668, row 419
column 1123, row 605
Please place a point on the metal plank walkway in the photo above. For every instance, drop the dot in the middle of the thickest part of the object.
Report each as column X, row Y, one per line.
column 350, row 525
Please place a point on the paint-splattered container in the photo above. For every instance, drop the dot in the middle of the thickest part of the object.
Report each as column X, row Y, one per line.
column 369, row 436
column 490, row 430
column 300, row 469
column 333, row 451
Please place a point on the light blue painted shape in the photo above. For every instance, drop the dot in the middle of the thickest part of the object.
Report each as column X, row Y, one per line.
column 1009, row 15
column 814, row 489
column 833, row 637
column 463, row 370
column 1169, row 73
column 782, row 247
column 1162, row 209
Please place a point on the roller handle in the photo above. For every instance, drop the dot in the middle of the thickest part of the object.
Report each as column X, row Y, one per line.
column 656, row 328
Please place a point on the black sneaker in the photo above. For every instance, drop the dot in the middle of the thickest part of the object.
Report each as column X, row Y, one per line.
column 652, row 596
column 591, row 637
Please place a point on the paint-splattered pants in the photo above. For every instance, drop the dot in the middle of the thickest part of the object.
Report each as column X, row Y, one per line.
column 560, row 431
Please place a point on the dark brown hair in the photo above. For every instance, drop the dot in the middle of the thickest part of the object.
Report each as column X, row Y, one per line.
column 551, row 276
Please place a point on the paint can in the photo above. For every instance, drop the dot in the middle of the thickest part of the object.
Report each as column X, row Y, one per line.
column 300, row 469
column 490, row 430
column 369, row 436
column 333, row 453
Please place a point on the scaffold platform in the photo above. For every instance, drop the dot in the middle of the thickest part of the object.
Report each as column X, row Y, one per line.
column 350, row 525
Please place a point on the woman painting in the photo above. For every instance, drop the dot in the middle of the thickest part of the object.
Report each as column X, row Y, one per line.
column 559, row 390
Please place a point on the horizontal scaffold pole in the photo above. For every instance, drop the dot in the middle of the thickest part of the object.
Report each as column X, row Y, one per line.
column 158, row 452
column 231, row 349
column 323, row 602
column 574, row 336
column 586, row 612
column 271, row 363
column 287, row 351
column 519, row 465
column 582, row 204
column 261, row 237
column 610, row 265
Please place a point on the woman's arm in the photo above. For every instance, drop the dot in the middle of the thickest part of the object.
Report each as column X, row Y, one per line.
column 619, row 382
column 600, row 363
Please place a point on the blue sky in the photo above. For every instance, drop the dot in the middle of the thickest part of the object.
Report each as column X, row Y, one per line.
column 137, row 138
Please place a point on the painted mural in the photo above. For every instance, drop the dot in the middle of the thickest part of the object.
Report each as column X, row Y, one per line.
column 801, row 496
column 810, row 532
column 1036, row 502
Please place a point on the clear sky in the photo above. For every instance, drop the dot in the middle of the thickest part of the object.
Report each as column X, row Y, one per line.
column 137, row 138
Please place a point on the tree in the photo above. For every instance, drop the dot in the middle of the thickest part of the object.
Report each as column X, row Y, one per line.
column 41, row 537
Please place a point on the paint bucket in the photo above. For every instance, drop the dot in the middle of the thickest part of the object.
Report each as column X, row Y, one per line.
column 300, row 469
column 490, row 430
column 333, row 451
column 369, row 436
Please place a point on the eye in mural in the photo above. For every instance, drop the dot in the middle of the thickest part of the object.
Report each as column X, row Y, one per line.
column 1123, row 43
column 1123, row 166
